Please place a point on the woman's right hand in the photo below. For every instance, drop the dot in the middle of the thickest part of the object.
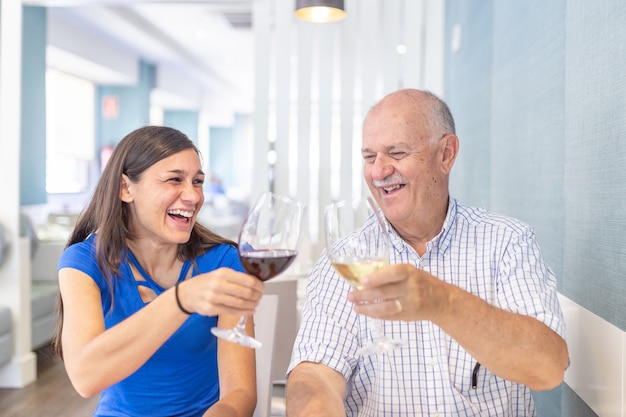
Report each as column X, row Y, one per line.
column 96, row 357
column 222, row 291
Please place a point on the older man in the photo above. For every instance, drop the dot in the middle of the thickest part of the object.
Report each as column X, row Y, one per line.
column 467, row 289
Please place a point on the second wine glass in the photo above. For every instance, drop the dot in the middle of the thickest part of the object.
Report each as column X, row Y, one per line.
column 357, row 244
column 268, row 245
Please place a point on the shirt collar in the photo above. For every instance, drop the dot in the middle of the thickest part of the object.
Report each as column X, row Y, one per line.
column 443, row 239
column 445, row 236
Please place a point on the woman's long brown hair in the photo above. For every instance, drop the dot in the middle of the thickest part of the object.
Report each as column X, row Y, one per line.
column 107, row 214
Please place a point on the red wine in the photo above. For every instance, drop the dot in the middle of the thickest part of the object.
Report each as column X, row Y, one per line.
column 267, row 263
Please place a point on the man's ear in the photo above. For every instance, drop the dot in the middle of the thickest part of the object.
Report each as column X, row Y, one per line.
column 450, row 151
column 125, row 194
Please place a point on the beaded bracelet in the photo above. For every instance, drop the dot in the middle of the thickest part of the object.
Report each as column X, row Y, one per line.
column 178, row 301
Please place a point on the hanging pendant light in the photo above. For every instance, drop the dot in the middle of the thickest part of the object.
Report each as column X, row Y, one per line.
column 320, row 11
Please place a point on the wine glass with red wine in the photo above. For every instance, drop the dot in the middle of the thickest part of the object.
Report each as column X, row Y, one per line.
column 268, row 245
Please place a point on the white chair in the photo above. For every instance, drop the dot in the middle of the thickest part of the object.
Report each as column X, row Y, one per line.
column 265, row 330
column 286, row 288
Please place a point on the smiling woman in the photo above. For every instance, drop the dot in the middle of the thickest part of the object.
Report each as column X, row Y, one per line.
column 165, row 199
column 137, row 256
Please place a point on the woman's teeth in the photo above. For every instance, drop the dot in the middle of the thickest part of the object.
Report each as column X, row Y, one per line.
column 180, row 213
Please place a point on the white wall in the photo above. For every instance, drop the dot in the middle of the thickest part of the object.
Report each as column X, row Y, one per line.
column 14, row 281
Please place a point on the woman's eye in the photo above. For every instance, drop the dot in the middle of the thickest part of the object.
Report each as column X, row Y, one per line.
column 175, row 179
column 199, row 181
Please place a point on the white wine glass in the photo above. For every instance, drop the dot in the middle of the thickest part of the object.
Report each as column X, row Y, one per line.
column 268, row 245
column 357, row 243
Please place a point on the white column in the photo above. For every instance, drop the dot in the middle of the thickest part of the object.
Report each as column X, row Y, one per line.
column 371, row 63
column 204, row 141
column 304, row 128
column 282, row 81
column 434, row 47
column 15, row 273
column 390, row 30
column 348, row 74
column 327, row 36
column 257, row 151
column 413, row 27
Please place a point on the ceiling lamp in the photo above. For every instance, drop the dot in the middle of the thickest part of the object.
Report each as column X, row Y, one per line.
column 320, row 11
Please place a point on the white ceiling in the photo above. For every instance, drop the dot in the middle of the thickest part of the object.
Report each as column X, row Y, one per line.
column 207, row 45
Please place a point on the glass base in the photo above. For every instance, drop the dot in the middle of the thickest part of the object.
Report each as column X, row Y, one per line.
column 236, row 336
column 381, row 345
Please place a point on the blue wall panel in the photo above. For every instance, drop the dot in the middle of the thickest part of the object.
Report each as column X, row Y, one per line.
column 221, row 154
column 537, row 90
column 33, row 107
column 184, row 120
column 595, row 151
column 134, row 107
column 468, row 94
column 528, row 119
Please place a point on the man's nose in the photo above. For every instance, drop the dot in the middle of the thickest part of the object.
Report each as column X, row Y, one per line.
column 382, row 167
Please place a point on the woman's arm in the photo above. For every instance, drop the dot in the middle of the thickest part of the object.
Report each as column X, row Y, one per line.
column 95, row 358
column 237, row 373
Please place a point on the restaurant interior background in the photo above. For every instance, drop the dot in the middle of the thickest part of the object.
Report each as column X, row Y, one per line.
column 537, row 88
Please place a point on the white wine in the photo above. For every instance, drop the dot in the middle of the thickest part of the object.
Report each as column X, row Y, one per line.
column 353, row 269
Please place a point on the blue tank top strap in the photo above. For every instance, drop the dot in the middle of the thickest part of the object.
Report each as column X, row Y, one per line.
column 149, row 282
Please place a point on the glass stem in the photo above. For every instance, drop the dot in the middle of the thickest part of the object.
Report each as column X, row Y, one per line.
column 377, row 329
column 240, row 328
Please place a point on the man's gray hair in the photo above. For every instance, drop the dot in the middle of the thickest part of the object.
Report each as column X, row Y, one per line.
column 441, row 116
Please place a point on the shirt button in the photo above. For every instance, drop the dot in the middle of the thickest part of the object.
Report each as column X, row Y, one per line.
column 422, row 263
column 431, row 362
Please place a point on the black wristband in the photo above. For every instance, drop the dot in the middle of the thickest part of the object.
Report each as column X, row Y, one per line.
column 178, row 301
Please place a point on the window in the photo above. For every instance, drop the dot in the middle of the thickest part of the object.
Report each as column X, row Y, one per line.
column 70, row 132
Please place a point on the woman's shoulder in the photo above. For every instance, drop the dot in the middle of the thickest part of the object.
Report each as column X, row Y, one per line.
column 81, row 256
column 222, row 255
column 80, row 250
